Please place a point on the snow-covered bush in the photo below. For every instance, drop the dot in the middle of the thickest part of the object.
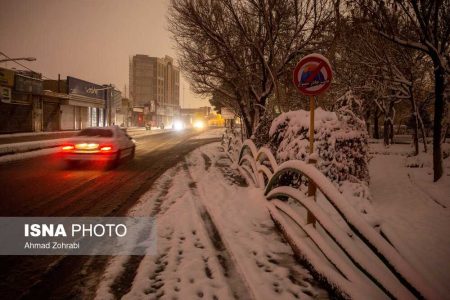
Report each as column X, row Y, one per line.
column 340, row 148
column 340, row 142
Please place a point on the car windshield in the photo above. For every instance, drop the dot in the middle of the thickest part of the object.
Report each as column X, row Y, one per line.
column 96, row 132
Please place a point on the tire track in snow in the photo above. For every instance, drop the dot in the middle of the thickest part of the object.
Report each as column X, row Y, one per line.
column 160, row 276
column 125, row 267
column 123, row 283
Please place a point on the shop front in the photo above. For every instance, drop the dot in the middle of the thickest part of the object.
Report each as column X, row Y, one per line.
column 86, row 105
column 51, row 114
column 138, row 117
column 20, row 109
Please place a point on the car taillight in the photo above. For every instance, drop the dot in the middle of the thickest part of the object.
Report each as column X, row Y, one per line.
column 106, row 148
column 86, row 146
column 68, row 147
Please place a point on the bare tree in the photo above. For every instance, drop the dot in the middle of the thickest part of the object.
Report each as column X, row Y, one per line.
column 385, row 75
column 423, row 25
column 241, row 48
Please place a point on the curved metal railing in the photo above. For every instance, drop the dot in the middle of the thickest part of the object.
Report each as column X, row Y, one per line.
column 353, row 259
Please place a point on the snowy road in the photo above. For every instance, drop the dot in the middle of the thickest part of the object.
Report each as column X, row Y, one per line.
column 40, row 186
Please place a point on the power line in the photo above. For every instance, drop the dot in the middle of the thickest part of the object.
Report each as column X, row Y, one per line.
column 45, row 77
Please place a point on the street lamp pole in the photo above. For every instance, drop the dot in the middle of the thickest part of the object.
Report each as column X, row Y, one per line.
column 18, row 58
column 15, row 59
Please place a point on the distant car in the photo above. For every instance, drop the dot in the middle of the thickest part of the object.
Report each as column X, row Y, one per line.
column 109, row 144
column 178, row 125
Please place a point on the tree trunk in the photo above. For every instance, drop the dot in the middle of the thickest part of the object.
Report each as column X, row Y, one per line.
column 256, row 118
column 386, row 132
column 416, row 137
column 415, row 113
column 391, row 132
column 376, row 127
column 438, row 115
column 246, row 119
column 391, row 122
column 444, row 139
column 247, row 127
column 367, row 119
column 424, row 135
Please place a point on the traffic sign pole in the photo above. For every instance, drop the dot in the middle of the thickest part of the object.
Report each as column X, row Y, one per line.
column 312, row 76
column 311, row 124
column 310, row 219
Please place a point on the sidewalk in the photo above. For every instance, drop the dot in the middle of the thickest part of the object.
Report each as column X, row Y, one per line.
column 34, row 136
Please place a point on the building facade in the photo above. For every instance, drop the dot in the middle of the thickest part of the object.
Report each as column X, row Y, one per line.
column 154, row 90
column 29, row 103
column 124, row 114
column 21, row 107
column 84, row 104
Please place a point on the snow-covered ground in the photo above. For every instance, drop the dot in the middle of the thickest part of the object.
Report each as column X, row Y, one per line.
column 215, row 240
column 24, row 134
column 414, row 212
column 28, row 146
column 211, row 133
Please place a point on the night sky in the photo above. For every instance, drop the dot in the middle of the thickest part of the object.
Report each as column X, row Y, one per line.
column 88, row 39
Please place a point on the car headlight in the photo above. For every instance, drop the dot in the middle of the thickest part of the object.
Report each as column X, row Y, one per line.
column 178, row 125
column 199, row 124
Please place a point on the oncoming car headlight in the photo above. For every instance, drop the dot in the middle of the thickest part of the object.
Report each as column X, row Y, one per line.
column 178, row 125
column 199, row 124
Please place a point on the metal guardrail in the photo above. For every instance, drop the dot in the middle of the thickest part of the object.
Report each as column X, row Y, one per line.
column 353, row 259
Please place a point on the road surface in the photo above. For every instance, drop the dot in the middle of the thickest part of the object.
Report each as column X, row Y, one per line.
column 42, row 186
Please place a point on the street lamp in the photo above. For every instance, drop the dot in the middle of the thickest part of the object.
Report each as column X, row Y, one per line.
column 15, row 59
column 19, row 58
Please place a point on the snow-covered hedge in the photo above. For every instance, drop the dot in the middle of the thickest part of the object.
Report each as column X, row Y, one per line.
column 340, row 148
column 340, row 142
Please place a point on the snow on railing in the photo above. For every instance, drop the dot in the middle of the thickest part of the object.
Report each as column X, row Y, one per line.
column 231, row 143
column 356, row 263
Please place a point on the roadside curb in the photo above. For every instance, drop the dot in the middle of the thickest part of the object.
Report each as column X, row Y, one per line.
column 16, row 148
